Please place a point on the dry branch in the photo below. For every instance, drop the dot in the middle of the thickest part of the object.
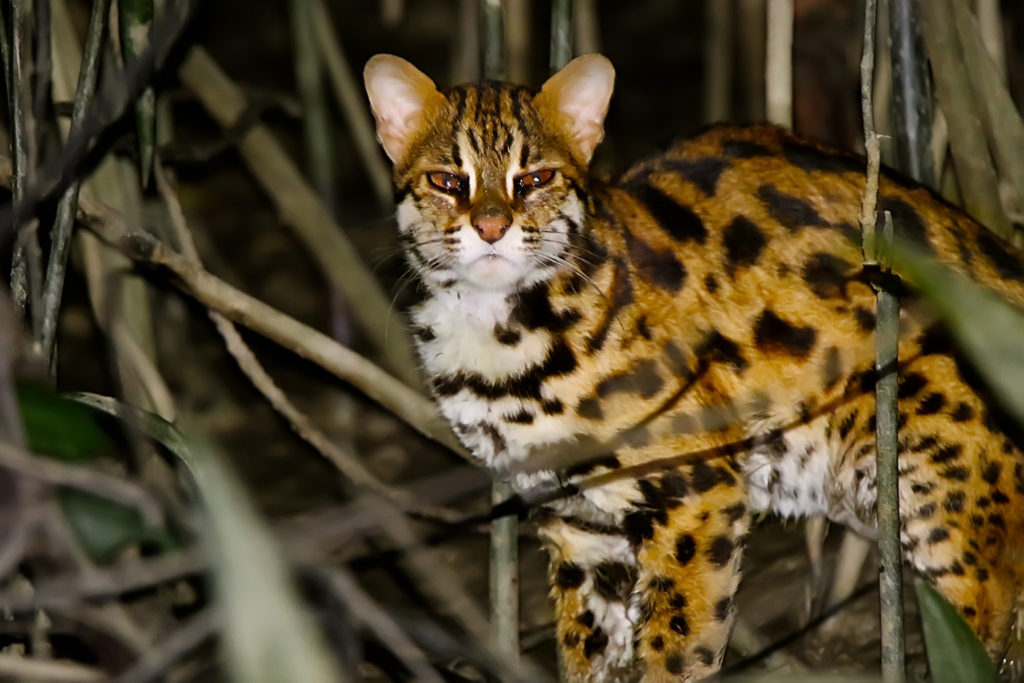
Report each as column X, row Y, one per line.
column 140, row 246
column 301, row 208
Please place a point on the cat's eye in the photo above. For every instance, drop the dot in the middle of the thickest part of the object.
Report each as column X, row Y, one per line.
column 529, row 181
column 447, row 182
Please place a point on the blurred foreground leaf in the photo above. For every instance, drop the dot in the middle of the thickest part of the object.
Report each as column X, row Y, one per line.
column 955, row 655
column 102, row 527
column 989, row 329
column 59, row 427
column 268, row 635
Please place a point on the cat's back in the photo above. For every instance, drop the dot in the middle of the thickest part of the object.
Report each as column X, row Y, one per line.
column 758, row 202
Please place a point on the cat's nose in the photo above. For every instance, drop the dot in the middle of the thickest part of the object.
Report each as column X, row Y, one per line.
column 491, row 228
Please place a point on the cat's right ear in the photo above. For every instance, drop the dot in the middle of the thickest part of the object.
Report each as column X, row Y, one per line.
column 401, row 97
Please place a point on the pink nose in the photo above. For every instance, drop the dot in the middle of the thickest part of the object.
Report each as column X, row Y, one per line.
column 491, row 228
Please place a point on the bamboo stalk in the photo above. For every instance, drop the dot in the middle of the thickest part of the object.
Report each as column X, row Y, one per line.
column 999, row 115
column 561, row 34
column 352, row 103
column 309, row 79
column 912, row 102
column 971, row 157
column 718, row 52
column 779, row 63
column 886, row 348
column 66, row 207
column 493, row 43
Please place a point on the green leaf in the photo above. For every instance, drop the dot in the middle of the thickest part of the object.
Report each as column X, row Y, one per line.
column 268, row 635
column 102, row 527
column 60, row 427
column 988, row 328
column 955, row 655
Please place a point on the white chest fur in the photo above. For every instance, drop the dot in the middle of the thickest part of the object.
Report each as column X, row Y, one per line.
column 474, row 346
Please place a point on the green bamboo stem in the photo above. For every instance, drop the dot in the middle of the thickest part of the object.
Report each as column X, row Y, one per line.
column 309, row 78
column 561, row 34
column 60, row 236
column 912, row 101
column 886, row 348
column 493, row 43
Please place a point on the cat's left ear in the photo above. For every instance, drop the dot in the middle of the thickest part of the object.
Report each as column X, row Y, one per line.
column 578, row 97
column 402, row 98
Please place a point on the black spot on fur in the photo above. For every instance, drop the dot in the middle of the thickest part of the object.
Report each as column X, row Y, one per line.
column 613, row 581
column 745, row 149
column 956, row 473
column 720, row 550
column 643, row 379
column 661, row 268
column 734, row 512
column 677, row 220
column 710, row 283
column 955, row 501
column 810, row 158
column 679, row 624
column 937, row 535
column 686, row 549
column 931, row 404
column 595, row 643
column 826, row 275
column 1002, row 259
column 723, row 608
column 906, row 221
column 532, row 309
column 772, row 333
column 523, row 417
column 586, row 619
column 717, row 348
column 832, row 370
column 657, row 643
column 639, row 526
column 947, row 453
column 590, row 408
column 674, row 663
column 911, row 384
column 703, row 173
column 865, row 319
column 962, row 413
column 568, row 576
column 705, row 655
column 552, row 407
column 559, row 361
column 743, row 242
column 661, row 583
column 991, row 472
column 792, row 212
column 507, row 336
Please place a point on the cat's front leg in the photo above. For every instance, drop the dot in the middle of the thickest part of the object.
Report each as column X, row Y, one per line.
column 688, row 537
column 592, row 576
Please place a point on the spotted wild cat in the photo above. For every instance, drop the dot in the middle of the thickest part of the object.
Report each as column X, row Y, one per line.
column 701, row 329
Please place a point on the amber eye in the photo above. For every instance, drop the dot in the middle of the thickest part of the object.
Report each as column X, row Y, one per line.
column 535, row 179
column 447, row 182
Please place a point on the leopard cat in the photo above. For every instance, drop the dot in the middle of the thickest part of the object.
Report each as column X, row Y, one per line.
column 702, row 330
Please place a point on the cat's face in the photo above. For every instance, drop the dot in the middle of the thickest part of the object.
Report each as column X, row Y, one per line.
column 489, row 177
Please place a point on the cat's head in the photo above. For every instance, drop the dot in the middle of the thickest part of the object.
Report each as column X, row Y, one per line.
column 489, row 177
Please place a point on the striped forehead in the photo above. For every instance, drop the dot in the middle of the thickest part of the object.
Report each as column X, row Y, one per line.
column 493, row 122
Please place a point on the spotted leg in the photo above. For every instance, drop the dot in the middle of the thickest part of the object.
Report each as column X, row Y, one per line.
column 689, row 539
column 592, row 575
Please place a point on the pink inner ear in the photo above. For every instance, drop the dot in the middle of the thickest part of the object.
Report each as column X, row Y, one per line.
column 399, row 95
